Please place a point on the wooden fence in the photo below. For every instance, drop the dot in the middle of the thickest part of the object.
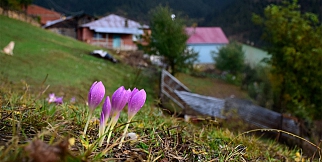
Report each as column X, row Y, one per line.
column 170, row 84
column 259, row 117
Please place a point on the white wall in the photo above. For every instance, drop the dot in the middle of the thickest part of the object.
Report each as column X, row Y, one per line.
column 205, row 50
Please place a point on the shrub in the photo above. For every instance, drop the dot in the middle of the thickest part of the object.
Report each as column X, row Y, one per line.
column 230, row 58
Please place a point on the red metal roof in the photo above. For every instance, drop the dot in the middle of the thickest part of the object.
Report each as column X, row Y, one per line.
column 206, row 35
column 44, row 14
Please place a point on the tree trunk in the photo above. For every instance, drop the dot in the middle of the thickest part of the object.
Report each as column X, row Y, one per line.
column 172, row 66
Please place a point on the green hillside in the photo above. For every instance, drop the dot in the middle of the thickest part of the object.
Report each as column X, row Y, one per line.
column 253, row 55
column 67, row 62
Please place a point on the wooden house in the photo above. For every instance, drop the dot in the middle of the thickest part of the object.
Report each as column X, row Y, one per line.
column 113, row 32
column 206, row 40
column 44, row 14
column 68, row 26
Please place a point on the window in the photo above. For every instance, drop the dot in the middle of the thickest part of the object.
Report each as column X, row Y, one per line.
column 136, row 38
column 98, row 36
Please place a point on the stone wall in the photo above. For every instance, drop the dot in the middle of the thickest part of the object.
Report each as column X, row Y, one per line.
column 18, row 15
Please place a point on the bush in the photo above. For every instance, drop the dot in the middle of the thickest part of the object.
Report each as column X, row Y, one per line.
column 257, row 83
column 230, row 58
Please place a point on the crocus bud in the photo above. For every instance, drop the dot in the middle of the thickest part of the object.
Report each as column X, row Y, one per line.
column 136, row 101
column 106, row 109
column 102, row 125
column 119, row 99
column 95, row 95
column 102, row 119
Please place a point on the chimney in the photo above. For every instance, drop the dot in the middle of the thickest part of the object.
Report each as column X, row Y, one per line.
column 126, row 23
column 194, row 25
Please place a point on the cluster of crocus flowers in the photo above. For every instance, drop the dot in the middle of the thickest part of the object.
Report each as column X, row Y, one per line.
column 53, row 99
column 112, row 108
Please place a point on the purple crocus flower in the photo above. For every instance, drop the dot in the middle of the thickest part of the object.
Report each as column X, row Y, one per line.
column 119, row 99
column 106, row 109
column 102, row 125
column 136, row 101
column 59, row 100
column 95, row 95
column 52, row 98
column 73, row 100
column 102, row 119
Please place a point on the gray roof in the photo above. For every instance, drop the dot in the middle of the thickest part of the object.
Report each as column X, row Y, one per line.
column 116, row 24
column 50, row 23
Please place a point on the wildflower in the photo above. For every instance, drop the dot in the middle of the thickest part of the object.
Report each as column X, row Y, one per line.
column 52, row 98
column 73, row 100
column 95, row 96
column 299, row 157
column 135, row 103
column 119, row 99
column 59, row 100
column 102, row 126
column 106, row 109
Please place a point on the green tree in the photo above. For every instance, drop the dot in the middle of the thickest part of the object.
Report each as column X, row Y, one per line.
column 15, row 4
column 295, row 45
column 168, row 38
column 230, row 58
column 25, row 3
column 10, row 4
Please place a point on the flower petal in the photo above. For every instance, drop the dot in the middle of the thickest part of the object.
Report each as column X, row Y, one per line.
column 117, row 97
column 134, row 91
column 106, row 109
column 102, row 118
column 90, row 91
column 120, row 99
column 96, row 95
column 136, row 102
column 59, row 100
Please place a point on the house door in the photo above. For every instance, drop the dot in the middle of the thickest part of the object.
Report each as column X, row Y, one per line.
column 116, row 41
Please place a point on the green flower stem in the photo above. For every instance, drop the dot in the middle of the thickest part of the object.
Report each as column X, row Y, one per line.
column 88, row 119
column 113, row 123
column 104, row 134
column 124, row 133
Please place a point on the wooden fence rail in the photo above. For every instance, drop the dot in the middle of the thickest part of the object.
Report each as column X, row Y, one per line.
column 168, row 85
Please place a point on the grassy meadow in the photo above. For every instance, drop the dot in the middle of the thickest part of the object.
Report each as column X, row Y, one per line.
column 33, row 129
column 62, row 62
